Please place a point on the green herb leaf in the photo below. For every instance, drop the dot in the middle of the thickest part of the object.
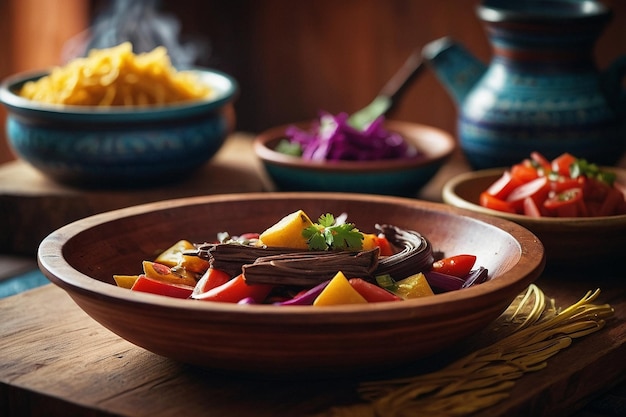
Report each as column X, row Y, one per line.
column 326, row 235
column 583, row 168
column 289, row 148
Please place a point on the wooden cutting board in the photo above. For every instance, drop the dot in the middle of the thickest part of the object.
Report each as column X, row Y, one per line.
column 32, row 206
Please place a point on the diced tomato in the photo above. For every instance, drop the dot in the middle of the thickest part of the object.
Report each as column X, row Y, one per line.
column 384, row 245
column 488, row 201
column 457, row 265
column 561, row 183
column 595, row 190
column 562, row 163
column 212, row 278
column 537, row 189
column 622, row 189
column 153, row 286
column 569, row 203
column 612, row 204
column 371, row 292
column 530, row 208
column 524, row 171
column 555, row 187
column 542, row 162
column 236, row 290
column 503, row 186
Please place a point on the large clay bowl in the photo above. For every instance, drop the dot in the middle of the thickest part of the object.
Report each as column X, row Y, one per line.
column 398, row 177
column 82, row 257
column 569, row 242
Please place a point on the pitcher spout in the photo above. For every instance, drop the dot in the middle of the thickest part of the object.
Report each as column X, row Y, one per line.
column 454, row 66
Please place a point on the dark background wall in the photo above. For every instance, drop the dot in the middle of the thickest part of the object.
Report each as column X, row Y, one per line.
column 294, row 58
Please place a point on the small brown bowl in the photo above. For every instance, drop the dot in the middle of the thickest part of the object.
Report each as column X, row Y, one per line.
column 82, row 257
column 398, row 177
column 568, row 242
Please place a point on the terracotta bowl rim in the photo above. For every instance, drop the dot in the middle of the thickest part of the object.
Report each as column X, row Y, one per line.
column 269, row 156
column 450, row 196
column 54, row 265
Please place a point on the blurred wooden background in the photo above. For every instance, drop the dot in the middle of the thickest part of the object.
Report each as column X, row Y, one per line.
column 291, row 58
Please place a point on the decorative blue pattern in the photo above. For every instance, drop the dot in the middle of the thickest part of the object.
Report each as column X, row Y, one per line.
column 541, row 92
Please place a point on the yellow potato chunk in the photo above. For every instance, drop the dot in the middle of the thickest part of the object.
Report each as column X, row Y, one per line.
column 369, row 241
column 173, row 256
column 413, row 287
column 287, row 233
column 125, row 281
column 162, row 272
column 339, row 291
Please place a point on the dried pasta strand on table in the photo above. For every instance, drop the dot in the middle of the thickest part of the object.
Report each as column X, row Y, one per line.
column 486, row 376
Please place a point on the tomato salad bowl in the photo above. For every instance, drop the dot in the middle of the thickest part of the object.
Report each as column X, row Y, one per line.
column 569, row 242
column 268, row 339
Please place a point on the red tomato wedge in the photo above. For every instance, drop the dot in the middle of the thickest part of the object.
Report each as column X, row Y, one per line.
column 372, row 293
column 569, row 203
column 542, row 162
column 537, row 189
column 212, row 278
column 562, row 163
column 504, row 185
column 384, row 245
column 524, row 172
column 236, row 290
column 458, row 265
column 153, row 286
column 530, row 208
column 488, row 201
column 613, row 203
column 561, row 183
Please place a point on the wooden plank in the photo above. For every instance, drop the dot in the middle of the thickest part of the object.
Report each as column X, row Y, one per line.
column 52, row 352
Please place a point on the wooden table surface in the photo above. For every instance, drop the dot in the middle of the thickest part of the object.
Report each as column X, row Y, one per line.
column 56, row 361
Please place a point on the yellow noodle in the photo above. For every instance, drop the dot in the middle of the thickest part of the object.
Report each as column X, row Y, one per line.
column 117, row 77
column 485, row 377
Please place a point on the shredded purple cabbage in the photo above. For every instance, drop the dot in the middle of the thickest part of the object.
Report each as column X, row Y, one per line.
column 331, row 138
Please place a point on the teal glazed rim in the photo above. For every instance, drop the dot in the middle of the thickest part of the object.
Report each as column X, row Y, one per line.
column 225, row 89
column 541, row 10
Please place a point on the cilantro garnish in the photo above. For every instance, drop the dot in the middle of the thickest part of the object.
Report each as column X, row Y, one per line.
column 327, row 235
column 583, row 168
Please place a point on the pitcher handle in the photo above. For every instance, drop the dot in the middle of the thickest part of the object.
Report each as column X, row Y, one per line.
column 612, row 84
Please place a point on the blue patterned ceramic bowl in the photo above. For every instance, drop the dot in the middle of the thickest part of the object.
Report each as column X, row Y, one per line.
column 399, row 177
column 109, row 146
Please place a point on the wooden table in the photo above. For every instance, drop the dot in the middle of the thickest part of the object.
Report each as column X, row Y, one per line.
column 57, row 361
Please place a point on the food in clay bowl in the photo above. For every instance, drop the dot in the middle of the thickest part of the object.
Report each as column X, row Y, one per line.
column 118, row 119
column 581, row 221
column 264, row 337
column 389, row 157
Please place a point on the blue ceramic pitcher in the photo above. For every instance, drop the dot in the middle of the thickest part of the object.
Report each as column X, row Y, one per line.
column 541, row 91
